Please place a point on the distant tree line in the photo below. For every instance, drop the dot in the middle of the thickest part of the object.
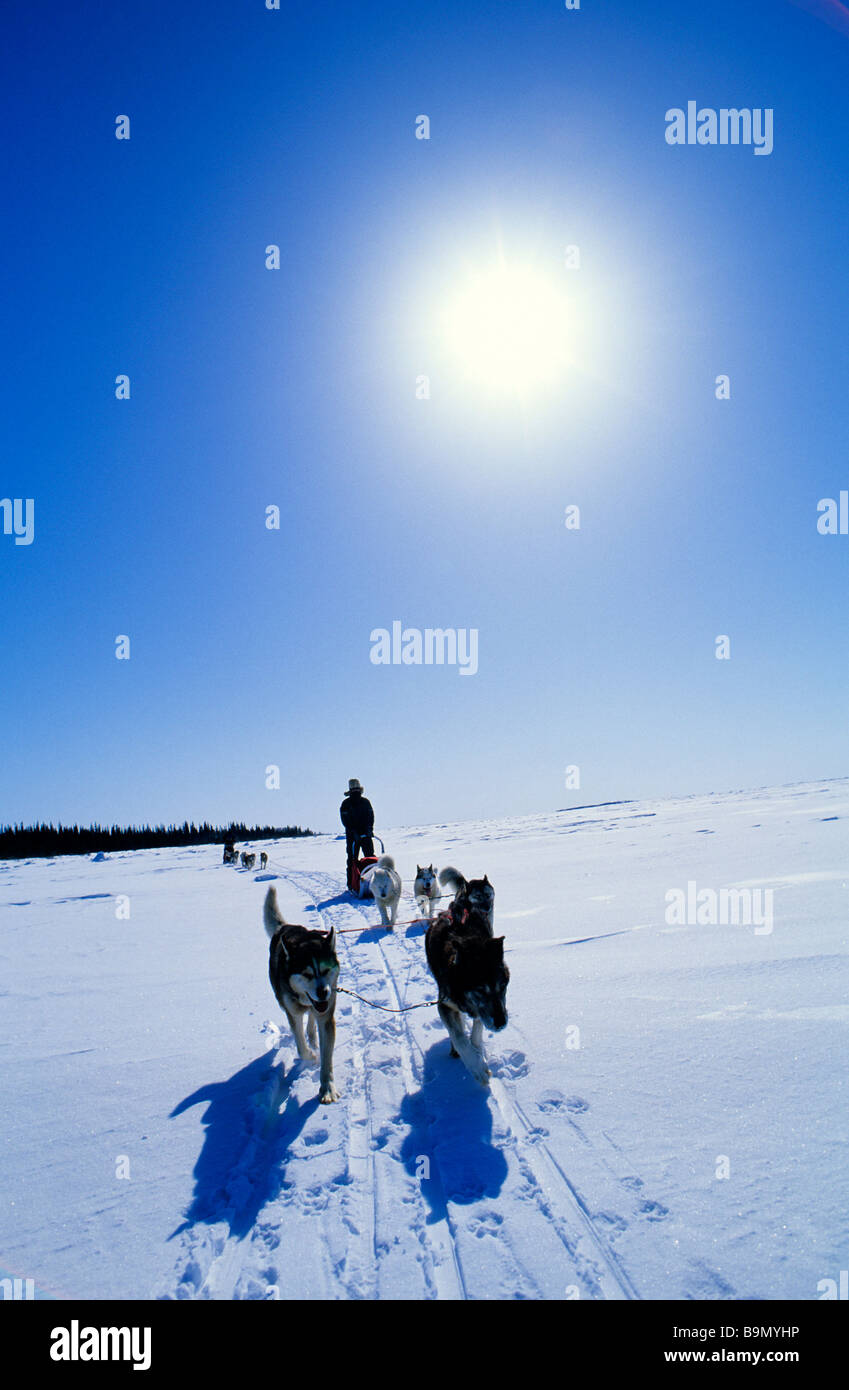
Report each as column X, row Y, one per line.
column 44, row 841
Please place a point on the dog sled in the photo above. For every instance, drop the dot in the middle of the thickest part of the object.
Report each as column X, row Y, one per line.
column 359, row 868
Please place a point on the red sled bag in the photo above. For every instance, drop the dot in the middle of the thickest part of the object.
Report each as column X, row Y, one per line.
column 360, row 865
column 356, row 868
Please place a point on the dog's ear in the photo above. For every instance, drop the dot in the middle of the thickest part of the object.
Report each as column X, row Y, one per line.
column 418, row 870
column 486, row 880
column 498, row 944
column 331, row 939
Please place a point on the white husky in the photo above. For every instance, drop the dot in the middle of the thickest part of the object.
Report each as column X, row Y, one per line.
column 385, row 887
column 426, row 890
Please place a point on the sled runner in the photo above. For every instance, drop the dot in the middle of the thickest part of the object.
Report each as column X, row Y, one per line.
column 358, row 869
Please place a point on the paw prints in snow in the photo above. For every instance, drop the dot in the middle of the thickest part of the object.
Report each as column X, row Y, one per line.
column 487, row 1223
column 512, row 1065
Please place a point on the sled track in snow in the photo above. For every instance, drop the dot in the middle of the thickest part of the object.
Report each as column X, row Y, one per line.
column 441, row 1267
column 597, row 1265
column 549, row 1182
column 551, row 1179
column 391, row 969
column 223, row 1265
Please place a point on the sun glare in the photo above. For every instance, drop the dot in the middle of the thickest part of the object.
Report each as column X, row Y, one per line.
column 509, row 329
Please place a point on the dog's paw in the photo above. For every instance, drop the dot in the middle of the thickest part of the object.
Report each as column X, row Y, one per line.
column 328, row 1094
column 308, row 1055
column 481, row 1072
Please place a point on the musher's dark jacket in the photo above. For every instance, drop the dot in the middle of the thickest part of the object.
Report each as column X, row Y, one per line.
column 357, row 815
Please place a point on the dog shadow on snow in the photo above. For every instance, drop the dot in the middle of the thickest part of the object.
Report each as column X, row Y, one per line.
column 448, row 1148
column 242, row 1164
column 344, row 897
column 370, row 931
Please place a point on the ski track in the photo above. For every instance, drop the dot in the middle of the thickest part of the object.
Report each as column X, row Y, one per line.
column 437, row 1253
column 609, row 1281
column 399, row 1242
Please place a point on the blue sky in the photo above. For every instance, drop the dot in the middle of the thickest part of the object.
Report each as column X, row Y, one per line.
column 296, row 387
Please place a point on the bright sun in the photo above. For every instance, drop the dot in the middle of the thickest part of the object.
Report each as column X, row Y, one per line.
column 509, row 329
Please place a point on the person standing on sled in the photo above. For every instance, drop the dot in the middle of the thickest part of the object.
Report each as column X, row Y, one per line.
column 358, row 819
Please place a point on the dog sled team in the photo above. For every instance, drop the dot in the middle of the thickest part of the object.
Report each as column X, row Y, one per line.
column 247, row 858
column 464, row 956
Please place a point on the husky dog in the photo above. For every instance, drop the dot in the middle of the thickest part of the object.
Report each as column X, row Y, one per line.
column 477, row 893
column 426, row 890
column 385, row 887
column 249, row 860
column 303, row 971
column 263, row 859
column 467, row 963
column 230, row 856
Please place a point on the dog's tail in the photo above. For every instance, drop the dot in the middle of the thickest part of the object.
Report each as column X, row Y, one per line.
column 386, row 862
column 453, row 878
column 272, row 917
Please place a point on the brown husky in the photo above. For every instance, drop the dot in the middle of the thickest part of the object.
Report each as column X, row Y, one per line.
column 303, row 970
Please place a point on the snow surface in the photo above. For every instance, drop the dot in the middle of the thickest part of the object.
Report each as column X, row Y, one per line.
column 158, row 1142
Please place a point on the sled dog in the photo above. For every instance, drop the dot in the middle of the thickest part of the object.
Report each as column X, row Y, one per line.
column 477, row 893
column 426, row 890
column 263, row 860
column 385, row 887
column 467, row 962
column 304, row 971
column 248, row 860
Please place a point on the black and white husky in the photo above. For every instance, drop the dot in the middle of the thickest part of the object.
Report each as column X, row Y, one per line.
column 477, row 893
column 426, row 890
column 467, row 963
column 304, row 971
